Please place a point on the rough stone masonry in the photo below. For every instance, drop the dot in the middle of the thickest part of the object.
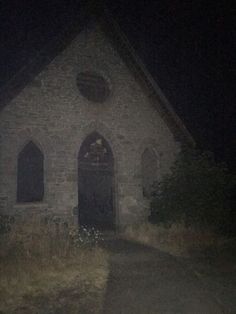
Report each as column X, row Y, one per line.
column 57, row 114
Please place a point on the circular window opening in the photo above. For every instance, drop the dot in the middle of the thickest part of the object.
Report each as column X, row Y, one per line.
column 93, row 86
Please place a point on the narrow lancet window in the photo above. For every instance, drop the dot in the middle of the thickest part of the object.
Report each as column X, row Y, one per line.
column 30, row 174
column 149, row 171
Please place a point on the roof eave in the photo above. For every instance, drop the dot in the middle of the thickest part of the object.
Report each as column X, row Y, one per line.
column 155, row 93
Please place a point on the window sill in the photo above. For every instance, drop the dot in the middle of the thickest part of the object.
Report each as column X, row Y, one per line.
column 31, row 206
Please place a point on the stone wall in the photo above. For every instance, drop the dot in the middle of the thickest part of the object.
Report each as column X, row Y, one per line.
column 52, row 113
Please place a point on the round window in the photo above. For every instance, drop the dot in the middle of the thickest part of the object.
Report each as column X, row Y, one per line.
column 93, row 86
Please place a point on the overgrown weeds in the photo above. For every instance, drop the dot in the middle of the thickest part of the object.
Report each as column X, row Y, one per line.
column 46, row 256
column 176, row 239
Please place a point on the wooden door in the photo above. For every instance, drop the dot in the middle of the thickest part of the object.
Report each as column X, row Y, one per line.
column 95, row 178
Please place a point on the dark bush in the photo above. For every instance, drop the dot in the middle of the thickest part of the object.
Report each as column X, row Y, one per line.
column 197, row 192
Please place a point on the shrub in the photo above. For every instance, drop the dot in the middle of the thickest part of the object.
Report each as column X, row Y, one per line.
column 197, row 192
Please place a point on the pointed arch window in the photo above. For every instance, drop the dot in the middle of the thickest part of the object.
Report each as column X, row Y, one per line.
column 149, row 171
column 30, row 174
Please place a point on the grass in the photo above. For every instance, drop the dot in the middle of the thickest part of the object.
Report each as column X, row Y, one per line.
column 176, row 239
column 48, row 263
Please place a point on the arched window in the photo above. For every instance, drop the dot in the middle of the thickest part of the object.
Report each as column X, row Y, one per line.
column 149, row 171
column 30, row 177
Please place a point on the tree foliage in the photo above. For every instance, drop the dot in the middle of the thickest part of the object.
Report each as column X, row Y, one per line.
column 197, row 192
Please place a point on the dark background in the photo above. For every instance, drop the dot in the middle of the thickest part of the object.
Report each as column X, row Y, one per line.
column 188, row 46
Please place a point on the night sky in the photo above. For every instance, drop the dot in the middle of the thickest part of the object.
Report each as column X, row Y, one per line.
column 189, row 47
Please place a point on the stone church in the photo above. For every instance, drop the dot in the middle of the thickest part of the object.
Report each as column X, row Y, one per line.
column 85, row 130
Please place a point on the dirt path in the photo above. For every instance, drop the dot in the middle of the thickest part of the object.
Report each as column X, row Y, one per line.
column 145, row 281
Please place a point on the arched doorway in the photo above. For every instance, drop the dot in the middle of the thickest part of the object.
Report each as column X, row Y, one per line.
column 95, row 183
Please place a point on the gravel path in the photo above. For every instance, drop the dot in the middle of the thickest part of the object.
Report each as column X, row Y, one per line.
column 146, row 281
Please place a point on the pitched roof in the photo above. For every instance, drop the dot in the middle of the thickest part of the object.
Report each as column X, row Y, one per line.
column 124, row 48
